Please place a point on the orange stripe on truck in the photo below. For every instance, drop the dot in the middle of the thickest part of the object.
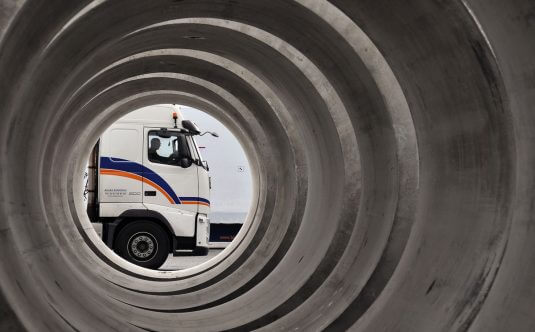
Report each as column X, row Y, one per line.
column 138, row 178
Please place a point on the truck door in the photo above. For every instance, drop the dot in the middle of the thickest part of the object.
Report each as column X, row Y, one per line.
column 170, row 179
column 120, row 169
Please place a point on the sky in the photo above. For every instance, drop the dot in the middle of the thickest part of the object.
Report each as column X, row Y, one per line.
column 231, row 178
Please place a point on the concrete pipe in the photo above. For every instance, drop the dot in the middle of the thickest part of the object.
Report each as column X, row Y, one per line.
column 391, row 145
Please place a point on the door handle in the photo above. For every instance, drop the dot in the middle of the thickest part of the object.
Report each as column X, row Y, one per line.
column 150, row 193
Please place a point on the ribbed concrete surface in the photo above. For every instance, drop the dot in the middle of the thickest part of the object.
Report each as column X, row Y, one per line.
column 392, row 144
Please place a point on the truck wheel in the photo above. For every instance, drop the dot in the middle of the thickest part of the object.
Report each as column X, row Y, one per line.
column 144, row 243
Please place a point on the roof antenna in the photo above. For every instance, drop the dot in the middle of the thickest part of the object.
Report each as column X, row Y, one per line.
column 175, row 117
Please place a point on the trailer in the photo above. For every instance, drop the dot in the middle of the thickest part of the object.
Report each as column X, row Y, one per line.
column 149, row 187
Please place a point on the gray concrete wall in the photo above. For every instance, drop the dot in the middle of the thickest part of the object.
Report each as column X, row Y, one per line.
column 391, row 147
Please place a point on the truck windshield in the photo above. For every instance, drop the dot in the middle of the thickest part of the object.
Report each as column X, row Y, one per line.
column 168, row 148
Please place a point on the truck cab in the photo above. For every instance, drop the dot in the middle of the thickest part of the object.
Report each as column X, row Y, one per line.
column 151, row 187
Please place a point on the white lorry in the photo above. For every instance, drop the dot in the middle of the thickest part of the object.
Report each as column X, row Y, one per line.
column 149, row 187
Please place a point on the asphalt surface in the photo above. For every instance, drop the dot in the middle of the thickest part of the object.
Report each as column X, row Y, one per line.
column 185, row 262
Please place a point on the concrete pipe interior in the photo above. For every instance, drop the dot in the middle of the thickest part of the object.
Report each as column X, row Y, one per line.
column 391, row 144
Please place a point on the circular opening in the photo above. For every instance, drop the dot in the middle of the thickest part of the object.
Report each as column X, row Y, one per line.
column 174, row 167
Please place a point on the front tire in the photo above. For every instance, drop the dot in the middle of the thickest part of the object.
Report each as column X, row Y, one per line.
column 144, row 243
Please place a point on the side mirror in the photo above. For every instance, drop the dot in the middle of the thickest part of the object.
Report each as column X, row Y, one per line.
column 185, row 162
column 191, row 127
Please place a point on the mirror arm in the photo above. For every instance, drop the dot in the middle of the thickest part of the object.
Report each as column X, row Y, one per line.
column 214, row 134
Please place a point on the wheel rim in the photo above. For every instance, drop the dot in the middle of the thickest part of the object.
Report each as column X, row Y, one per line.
column 142, row 246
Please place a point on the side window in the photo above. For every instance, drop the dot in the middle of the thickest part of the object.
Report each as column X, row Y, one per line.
column 167, row 148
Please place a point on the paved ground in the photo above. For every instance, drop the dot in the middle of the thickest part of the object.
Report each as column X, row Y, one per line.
column 184, row 262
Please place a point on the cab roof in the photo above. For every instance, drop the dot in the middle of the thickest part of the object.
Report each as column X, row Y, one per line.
column 160, row 116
